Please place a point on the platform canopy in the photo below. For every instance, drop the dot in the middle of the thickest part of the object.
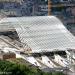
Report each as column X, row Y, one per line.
column 42, row 33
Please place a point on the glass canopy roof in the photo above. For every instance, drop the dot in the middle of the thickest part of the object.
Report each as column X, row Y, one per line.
column 42, row 33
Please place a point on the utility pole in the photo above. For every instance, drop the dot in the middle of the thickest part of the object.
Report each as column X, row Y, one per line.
column 49, row 7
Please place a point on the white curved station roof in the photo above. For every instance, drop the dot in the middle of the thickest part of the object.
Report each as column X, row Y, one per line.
column 42, row 33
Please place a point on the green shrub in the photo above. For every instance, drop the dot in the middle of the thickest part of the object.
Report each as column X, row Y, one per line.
column 19, row 69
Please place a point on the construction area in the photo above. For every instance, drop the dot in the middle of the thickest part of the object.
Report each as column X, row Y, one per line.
column 50, row 47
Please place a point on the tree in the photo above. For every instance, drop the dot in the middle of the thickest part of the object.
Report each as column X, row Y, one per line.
column 22, row 69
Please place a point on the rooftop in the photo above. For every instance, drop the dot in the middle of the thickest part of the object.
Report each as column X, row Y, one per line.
column 42, row 33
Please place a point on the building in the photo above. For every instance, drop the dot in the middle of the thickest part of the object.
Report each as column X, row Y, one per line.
column 23, row 7
column 64, row 9
column 41, row 33
column 4, row 56
column 13, row 8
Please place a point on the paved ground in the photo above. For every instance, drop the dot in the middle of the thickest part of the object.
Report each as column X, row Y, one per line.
column 70, row 73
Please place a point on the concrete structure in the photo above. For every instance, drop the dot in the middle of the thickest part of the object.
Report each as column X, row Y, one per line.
column 45, row 60
column 71, row 56
column 60, row 60
column 33, row 61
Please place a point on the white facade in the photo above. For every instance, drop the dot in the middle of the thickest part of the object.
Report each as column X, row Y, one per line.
column 61, row 61
column 45, row 60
